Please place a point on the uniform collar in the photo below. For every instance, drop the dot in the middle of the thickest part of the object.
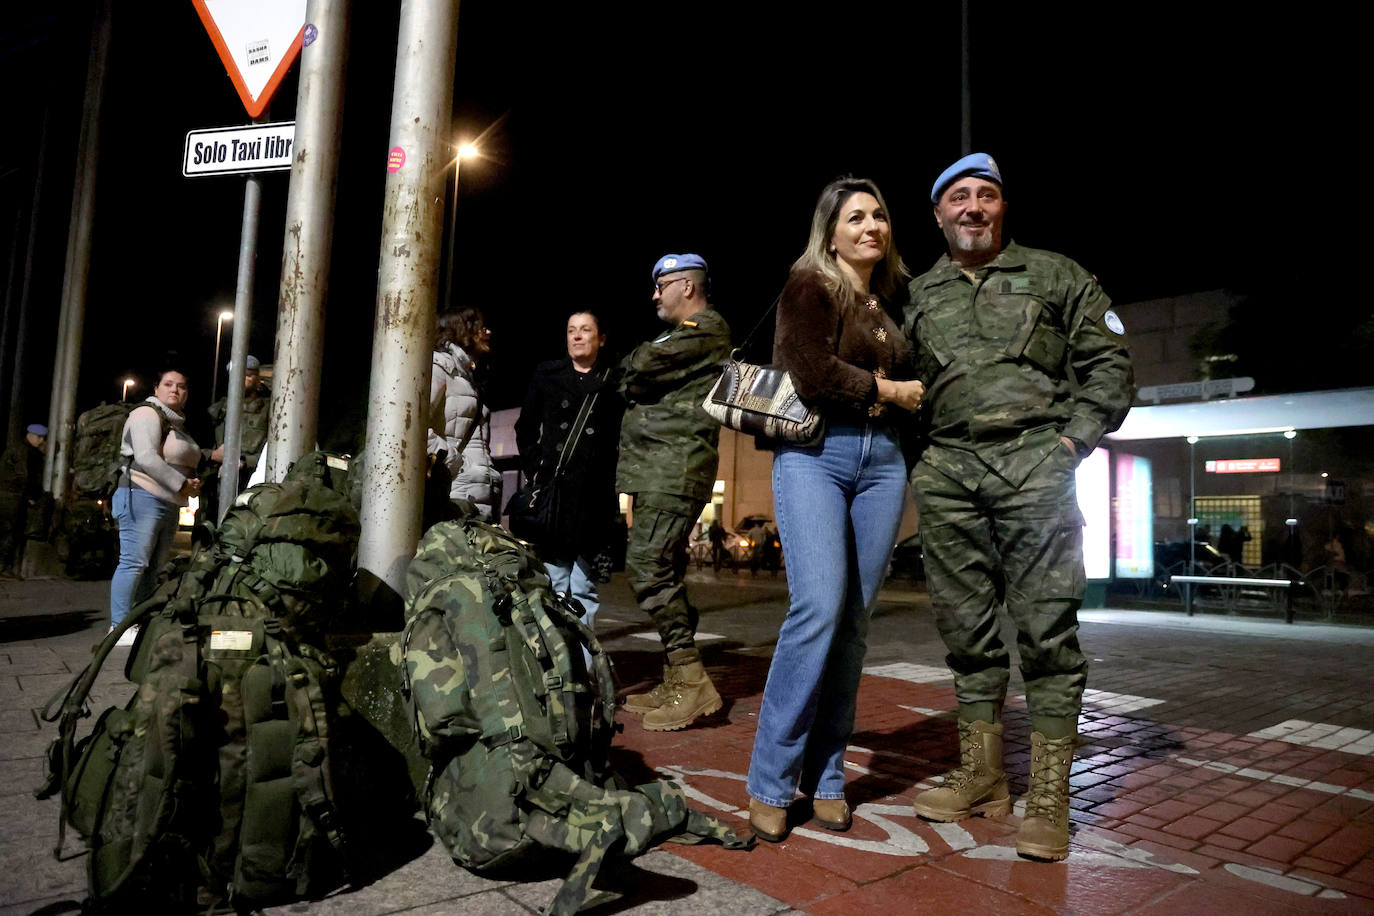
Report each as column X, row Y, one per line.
column 1011, row 257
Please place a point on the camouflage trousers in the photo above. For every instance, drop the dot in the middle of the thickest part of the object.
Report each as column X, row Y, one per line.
column 656, row 561
column 1022, row 546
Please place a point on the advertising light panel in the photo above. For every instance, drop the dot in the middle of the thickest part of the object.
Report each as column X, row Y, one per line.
column 1134, row 512
column 1095, row 501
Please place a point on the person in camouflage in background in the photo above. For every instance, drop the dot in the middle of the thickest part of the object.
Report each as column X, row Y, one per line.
column 1026, row 368
column 668, row 457
column 257, row 398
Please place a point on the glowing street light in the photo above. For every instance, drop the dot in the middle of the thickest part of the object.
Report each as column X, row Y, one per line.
column 214, row 376
column 465, row 150
column 124, row 395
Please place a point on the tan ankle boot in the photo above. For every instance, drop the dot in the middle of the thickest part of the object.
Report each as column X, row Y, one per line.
column 692, row 694
column 832, row 813
column 1044, row 834
column 641, row 703
column 768, row 822
column 978, row 786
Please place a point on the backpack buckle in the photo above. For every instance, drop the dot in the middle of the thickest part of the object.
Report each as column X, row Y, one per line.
column 553, row 681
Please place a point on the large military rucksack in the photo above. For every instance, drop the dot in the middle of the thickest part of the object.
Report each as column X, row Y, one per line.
column 515, row 727
column 95, row 453
column 215, row 782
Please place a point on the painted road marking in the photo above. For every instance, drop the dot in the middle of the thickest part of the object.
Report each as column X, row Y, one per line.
column 1266, row 776
column 1116, row 703
column 1320, row 735
column 700, row 637
column 906, row 671
column 904, row 841
column 1283, row 882
column 1101, row 700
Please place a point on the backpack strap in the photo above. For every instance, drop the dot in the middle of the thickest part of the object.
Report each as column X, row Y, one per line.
column 74, row 707
column 309, row 772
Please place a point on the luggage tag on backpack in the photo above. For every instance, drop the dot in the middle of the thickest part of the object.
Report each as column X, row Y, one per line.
column 232, row 637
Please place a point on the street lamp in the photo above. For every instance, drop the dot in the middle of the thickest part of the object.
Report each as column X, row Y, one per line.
column 214, row 376
column 465, row 151
column 124, row 395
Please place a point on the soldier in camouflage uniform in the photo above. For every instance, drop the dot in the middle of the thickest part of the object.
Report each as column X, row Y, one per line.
column 668, row 457
column 1026, row 368
column 257, row 399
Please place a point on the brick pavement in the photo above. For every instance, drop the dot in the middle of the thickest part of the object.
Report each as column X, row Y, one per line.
column 1227, row 766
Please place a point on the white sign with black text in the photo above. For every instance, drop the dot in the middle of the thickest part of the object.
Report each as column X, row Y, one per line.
column 235, row 150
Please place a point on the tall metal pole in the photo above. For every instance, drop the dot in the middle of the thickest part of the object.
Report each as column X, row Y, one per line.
column 238, row 347
column 408, row 274
column 965, row 93
column 219, row 329
column 447, row 289
column 294, row 418
column 11, row 317
column 62, row 415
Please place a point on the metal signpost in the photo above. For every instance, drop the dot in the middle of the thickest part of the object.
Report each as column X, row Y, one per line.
column 294, row 420
column 257, row 40
column 407, row 288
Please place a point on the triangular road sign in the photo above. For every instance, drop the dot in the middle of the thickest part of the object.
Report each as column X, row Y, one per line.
column 258, row 40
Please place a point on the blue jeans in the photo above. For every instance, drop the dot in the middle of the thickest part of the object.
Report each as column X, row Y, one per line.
column 146, row 527
column 839, row 505
column 577, row 579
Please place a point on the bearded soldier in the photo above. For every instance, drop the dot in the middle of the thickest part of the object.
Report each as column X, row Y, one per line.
column 1026, row 368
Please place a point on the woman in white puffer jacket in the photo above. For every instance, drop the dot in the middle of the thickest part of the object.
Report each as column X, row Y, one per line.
column 459, row 420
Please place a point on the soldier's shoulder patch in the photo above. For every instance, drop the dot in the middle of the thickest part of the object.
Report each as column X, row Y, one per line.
column 1113, row 322
column 689, row 323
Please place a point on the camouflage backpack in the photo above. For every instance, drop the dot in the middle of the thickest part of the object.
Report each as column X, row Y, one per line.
column 215, row 781
column 516, row 729
column 95, row 453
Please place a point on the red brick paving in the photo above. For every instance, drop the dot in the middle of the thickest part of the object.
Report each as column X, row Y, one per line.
column 1129, row 787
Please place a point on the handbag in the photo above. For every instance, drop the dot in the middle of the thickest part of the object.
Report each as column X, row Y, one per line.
column 533, row 510
column 761, row 400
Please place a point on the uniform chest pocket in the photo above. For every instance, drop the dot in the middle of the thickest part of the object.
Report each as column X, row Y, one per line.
column 1039, row 338
column 932, row 352
column 1046, row 347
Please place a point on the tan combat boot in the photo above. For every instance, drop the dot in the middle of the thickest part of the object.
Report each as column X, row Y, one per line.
column 1044, row 833
column 978, row 786
column 692, row 694
column 641, row 703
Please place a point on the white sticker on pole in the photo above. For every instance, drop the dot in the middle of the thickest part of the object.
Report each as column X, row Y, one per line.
column 258, row 40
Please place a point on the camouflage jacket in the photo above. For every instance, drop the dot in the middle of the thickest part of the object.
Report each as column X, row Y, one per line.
column 253, row 430
column 1027, row 351
column 668, row 444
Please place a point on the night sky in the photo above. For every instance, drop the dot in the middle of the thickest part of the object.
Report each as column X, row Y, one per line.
column 1165, row 150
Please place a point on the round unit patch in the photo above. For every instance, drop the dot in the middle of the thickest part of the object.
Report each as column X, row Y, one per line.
column 1113, row 322
column 669, row 263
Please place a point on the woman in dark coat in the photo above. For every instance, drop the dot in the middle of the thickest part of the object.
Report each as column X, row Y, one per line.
column 585, row 487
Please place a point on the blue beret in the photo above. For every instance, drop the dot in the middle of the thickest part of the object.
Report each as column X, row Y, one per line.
column 252, row 365
column 38, row 429
column 676, row 263
column 979, row 165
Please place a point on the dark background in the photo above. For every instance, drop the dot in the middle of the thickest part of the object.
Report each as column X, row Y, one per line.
column 1166, row 149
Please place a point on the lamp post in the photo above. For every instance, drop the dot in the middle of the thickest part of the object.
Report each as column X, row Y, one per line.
column 465, row 151
column 124, row 395
column 214, row 375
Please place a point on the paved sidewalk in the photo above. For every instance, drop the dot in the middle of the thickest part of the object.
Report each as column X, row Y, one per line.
column 1227, row 766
